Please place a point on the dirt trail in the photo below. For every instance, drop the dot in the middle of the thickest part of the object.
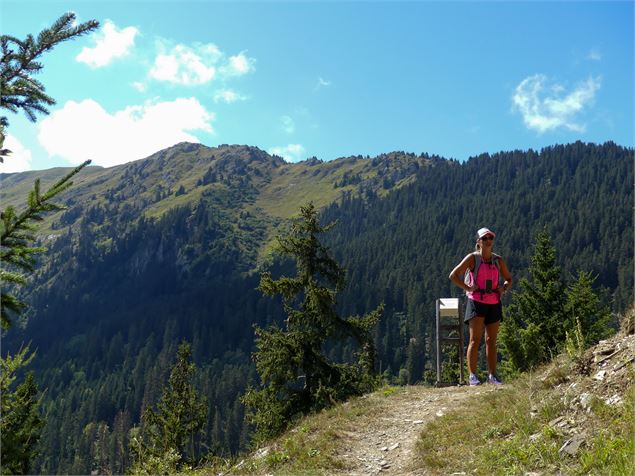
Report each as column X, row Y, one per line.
column 384, row 442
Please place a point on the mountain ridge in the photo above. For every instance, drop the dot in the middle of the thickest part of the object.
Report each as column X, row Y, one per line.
column 182, row 173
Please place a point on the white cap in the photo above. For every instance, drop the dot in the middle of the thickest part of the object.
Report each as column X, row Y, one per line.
column 485, row 231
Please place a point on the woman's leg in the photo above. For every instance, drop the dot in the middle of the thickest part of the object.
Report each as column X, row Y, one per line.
column 491, row 332
column 477, row 324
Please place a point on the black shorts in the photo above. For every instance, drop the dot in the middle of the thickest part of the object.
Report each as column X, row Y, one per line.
column 492, row 312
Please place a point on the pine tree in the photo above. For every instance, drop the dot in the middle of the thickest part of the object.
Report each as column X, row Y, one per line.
column 19, row 90
column 534, row 322
column 296, row 376
column 546, row 312
column 170, row 430
column 584, row 306
column 21, row 421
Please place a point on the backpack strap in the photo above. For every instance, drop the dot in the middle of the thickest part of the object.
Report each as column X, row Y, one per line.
column 477, row 265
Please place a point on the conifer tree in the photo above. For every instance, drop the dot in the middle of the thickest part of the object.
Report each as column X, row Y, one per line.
column 20, row 422
column 534, row 322
column 545, row 311
column 19, row 90
column 584, row 305
column 169, row 432
column 296, row 376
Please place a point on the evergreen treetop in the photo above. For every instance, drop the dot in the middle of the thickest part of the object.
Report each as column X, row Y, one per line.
column 169, row 431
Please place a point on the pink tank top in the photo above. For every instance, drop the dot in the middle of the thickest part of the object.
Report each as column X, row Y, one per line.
column 486, row 271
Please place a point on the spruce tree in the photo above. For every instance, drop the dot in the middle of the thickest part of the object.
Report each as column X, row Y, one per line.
column 20, row 422
column 296, row 376
column 545, row 311
column 534, row 322
column 584, row 306
column 170, row 430
column 21, row 91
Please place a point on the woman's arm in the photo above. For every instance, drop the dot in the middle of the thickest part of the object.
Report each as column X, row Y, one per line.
column 456, row 276
column 506, row 275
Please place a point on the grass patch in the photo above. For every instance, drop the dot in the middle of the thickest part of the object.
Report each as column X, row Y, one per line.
column 508, row 432
column 612, row 450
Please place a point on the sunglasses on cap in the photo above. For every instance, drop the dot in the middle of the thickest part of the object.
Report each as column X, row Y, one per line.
column 487, row 238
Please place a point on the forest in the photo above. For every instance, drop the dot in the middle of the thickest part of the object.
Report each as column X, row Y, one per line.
column 117, row 290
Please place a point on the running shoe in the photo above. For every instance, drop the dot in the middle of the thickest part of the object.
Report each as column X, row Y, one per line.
column 493, row 380
column 474, row 380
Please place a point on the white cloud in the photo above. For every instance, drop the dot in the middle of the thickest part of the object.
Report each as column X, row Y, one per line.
column 239, row 65
column 228, row 96
column 186, row 66
column 198, row 64
column 20, row 158
column 547, row 107
column 290, row 153
column 84, row 130
column 288, row 125
column 110, row 43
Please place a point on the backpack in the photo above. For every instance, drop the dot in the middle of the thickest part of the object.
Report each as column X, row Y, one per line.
column 471, row 275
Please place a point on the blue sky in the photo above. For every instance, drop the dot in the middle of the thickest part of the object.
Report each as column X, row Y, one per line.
column 327, row 79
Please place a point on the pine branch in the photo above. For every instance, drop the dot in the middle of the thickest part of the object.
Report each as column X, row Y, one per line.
column 30, row 49
column 19, row 90
column 16, row 237
column 38, row 204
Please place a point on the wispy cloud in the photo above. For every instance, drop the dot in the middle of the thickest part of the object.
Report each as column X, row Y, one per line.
column 238, row 65
column 546, row 107
column 197, row 64
column 594, row 54
column 85, row 130
column 20, row 158
column 186, row 66
column 228, row 96
column 288, row 124
column 140, row 86
column 110, row 43
column 322, row 83
column 290, row 153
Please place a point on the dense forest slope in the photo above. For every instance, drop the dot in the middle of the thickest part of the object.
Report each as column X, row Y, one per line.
column 169, row 247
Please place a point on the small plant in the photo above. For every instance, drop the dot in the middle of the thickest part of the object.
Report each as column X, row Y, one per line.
column 550, row 432
column 574, row 342
column 389, row 391
column 159, row 464
column 277, row 458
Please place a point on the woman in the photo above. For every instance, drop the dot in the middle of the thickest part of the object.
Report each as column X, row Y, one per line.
column 483, row 310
